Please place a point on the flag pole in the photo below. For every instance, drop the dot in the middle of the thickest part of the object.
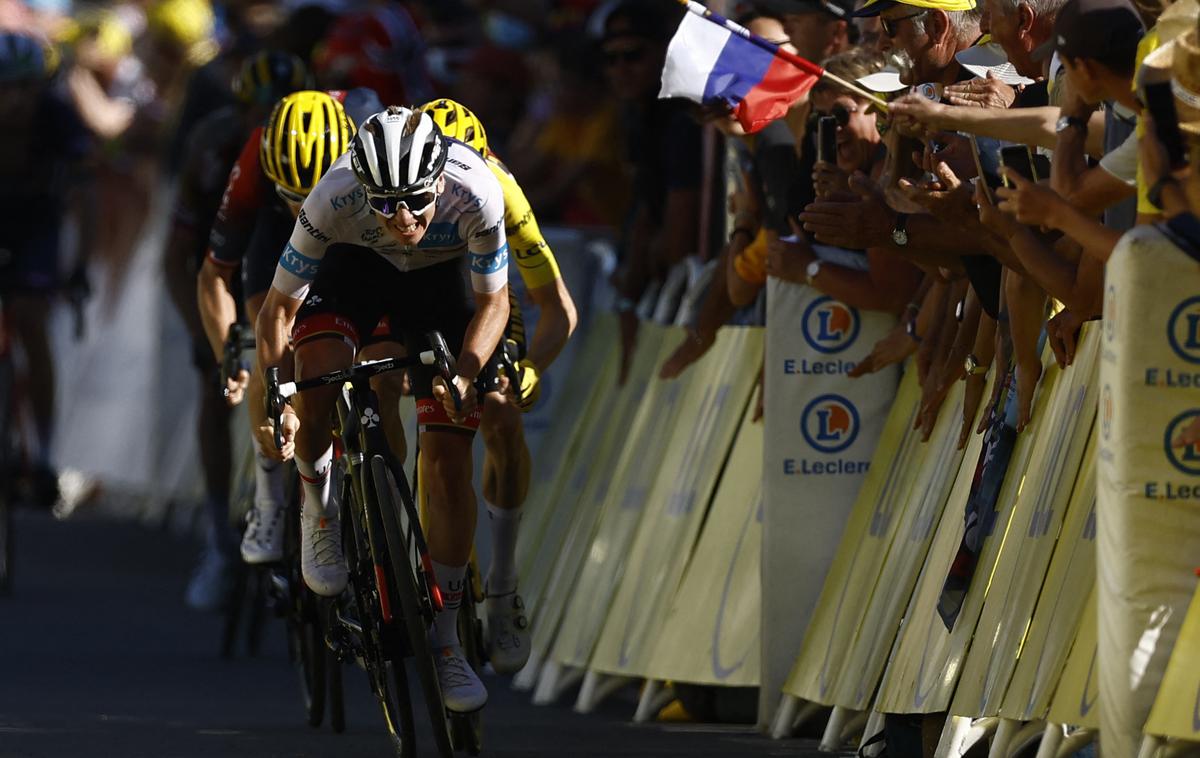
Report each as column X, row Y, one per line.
column 776, row 50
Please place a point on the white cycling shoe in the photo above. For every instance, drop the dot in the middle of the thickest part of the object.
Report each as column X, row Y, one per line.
column 263, row 539
column 508, row 632
column 462, row 692
column 321, row 559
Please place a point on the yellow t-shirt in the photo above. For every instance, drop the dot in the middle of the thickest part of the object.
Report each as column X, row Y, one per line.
column 751, row 263
column 535, row 260
column 1149, row 44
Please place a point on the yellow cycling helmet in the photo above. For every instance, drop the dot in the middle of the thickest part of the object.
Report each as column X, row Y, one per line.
column 306, row 133
column 458, row 122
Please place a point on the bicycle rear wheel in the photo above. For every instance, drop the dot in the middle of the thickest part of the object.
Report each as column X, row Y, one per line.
column 413, row 603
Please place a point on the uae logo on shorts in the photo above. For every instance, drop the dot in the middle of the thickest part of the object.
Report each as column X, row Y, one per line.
column 1186, row 459
column 1106, row 412
column 829, row 326
column 829, row 423
column 1183, row 329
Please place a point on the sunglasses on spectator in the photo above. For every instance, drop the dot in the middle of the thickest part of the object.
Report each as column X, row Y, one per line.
column 389, row 205
column 842, row 113
column 287, row 196
column 889, row 24
column 624, row 56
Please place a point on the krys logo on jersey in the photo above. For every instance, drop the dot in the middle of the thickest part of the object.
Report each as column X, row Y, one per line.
column 1185, row 460
column 1183, row 335
column 829, row 327
column 830, row 425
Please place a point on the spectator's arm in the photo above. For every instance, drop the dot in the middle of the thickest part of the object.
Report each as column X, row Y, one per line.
column 746, row 275
column 1030, row 126
column 1026, row 312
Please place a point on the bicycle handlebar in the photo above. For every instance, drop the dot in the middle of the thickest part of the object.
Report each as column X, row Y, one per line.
column 278, row 392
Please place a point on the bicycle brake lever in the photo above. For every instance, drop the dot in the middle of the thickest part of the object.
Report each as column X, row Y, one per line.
column 275, row 405
column 443, row 361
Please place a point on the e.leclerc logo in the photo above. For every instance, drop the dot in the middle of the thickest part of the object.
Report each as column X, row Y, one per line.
column 830, row 326
column 1183, row 330
column 830, row 425
column 1184, row 459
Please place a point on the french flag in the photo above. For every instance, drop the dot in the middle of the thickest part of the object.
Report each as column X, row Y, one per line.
column 711, row 58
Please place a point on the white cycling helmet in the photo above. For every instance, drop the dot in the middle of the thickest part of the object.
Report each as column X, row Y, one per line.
column 398, row 151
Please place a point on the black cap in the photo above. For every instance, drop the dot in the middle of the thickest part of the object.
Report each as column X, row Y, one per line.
column 1107, row 31
column 835, row 8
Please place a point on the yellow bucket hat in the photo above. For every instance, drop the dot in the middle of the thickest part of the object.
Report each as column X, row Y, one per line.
column 875, row 7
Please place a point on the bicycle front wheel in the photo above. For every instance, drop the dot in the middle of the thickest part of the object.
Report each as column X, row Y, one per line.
column 413, row 604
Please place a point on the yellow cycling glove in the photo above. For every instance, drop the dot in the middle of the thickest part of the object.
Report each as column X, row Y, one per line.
column 531, row 385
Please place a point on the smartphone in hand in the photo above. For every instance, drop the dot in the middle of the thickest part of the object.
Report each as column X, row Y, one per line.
column 827, row 139
column 1018, row 158
column 990, row 180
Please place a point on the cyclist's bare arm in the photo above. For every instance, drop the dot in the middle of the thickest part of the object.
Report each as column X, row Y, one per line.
column 483, row 332
column 218, row 309
column 272, row 328
column 557, row 319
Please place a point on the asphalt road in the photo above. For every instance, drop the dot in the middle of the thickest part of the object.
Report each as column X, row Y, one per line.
column 99, row 657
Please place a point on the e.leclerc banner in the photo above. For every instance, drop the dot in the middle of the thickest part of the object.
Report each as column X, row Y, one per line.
column 820, row 430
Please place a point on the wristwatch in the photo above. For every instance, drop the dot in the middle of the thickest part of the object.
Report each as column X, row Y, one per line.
column 973, row 367
column 900, row 230
column 910, row 329
column 1065, row 122
column 811, row 271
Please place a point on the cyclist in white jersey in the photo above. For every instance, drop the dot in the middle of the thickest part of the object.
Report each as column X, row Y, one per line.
column 406, row 229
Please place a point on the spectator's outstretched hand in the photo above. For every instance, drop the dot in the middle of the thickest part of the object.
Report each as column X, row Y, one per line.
column 948, row 198
column 999, row 223
column 864, row 222
column 1031, row 204
column 893, row 348
column 830, row 182
column 972, row 396
column 694, row 346
column 915, row 116
column 981, row 92
column 1063, row 333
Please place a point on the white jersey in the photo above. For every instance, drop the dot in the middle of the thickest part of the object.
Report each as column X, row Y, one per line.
column 468, row 218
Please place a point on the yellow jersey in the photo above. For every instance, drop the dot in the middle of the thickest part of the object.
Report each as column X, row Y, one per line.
column 535, row 260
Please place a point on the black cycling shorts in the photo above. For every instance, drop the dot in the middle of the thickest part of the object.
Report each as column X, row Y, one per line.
column 362, row 299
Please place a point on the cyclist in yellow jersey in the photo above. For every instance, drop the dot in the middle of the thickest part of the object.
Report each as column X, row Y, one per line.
column 507, row 464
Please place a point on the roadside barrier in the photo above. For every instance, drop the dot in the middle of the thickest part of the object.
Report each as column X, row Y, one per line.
column 821, row 430
column 1148, row 498
column 656, row 542
column 710, row 634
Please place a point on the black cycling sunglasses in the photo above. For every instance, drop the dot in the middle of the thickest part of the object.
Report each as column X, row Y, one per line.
column 389, row 205
column 889, row 24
